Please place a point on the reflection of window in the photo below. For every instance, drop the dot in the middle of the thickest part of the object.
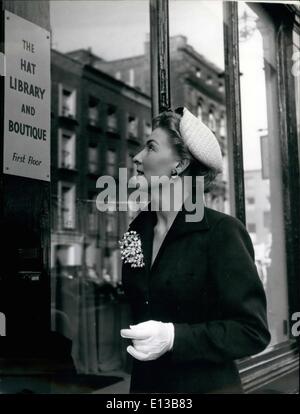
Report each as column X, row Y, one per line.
column 111, row 162
column 200, row 109
column 198, row 72
column 67, row 101
column 67, row 255
column 118, row 75
column 132, row 126
column 93, row 159
column 93, row 111
column 267, row 220
column 147, row 129
column 264, row 148
column 111, row 224
column 112, row 124
column 212, row 120
column 221, row 87
column 250, row 200
column 130, row 165
column 110, row 271
column 209, row 80
column 131, row 77
column 92, row 213
column 67, row 149
column 67, row 205
column 251, row 227
column 222, row 126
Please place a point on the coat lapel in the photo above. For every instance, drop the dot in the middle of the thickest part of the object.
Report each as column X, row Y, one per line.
column 179, row 228
column 144, row 225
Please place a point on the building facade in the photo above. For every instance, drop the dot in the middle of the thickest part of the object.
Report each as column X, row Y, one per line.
column 97, row 127
column 195, row 83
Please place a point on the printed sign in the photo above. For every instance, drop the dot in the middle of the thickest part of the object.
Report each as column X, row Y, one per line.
column 27, row 95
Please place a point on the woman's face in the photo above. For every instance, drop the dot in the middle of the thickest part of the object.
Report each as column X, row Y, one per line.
column 157, row 158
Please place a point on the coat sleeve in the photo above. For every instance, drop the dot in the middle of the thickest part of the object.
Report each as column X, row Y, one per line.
column 242, row 329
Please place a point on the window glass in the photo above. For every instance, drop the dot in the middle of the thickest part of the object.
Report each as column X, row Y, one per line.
column 197, row 75
column 262, row 163
column 100, row 72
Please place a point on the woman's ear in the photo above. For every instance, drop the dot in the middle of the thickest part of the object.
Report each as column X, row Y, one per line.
column 182, row 165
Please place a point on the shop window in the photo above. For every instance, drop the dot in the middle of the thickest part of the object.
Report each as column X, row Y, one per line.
column 259, row 99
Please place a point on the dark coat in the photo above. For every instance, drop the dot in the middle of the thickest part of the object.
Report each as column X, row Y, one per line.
column 204, row 280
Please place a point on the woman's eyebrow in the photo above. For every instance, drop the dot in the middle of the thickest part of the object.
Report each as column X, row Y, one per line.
column 151, row 140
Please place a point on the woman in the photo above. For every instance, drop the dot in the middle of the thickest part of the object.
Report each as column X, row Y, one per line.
column 197, row 301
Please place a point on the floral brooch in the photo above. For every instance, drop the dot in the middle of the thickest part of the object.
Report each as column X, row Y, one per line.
column 131, row 249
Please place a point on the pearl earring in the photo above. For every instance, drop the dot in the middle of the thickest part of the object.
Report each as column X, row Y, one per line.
column 174, row 173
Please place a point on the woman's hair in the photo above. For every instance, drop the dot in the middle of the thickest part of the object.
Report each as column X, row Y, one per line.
column 169, row 121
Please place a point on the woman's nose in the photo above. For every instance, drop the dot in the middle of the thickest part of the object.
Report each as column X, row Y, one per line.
column 138, row 158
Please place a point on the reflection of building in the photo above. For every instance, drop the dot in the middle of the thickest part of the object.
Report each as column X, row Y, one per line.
column 97, row 126
column 100, row 113
column 195, row 83
column 258, row 213
column 257, row 206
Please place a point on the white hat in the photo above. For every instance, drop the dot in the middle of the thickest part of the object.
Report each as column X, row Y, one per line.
column 200, row 141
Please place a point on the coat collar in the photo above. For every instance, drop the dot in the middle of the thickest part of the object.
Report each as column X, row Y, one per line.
column 144, row 225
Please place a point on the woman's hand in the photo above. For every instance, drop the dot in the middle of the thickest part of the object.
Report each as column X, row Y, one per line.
column 150, row 339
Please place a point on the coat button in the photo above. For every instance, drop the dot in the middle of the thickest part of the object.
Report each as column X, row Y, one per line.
column 147, row 302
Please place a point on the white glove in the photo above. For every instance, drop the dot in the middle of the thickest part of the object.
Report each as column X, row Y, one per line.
column 150, row 339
